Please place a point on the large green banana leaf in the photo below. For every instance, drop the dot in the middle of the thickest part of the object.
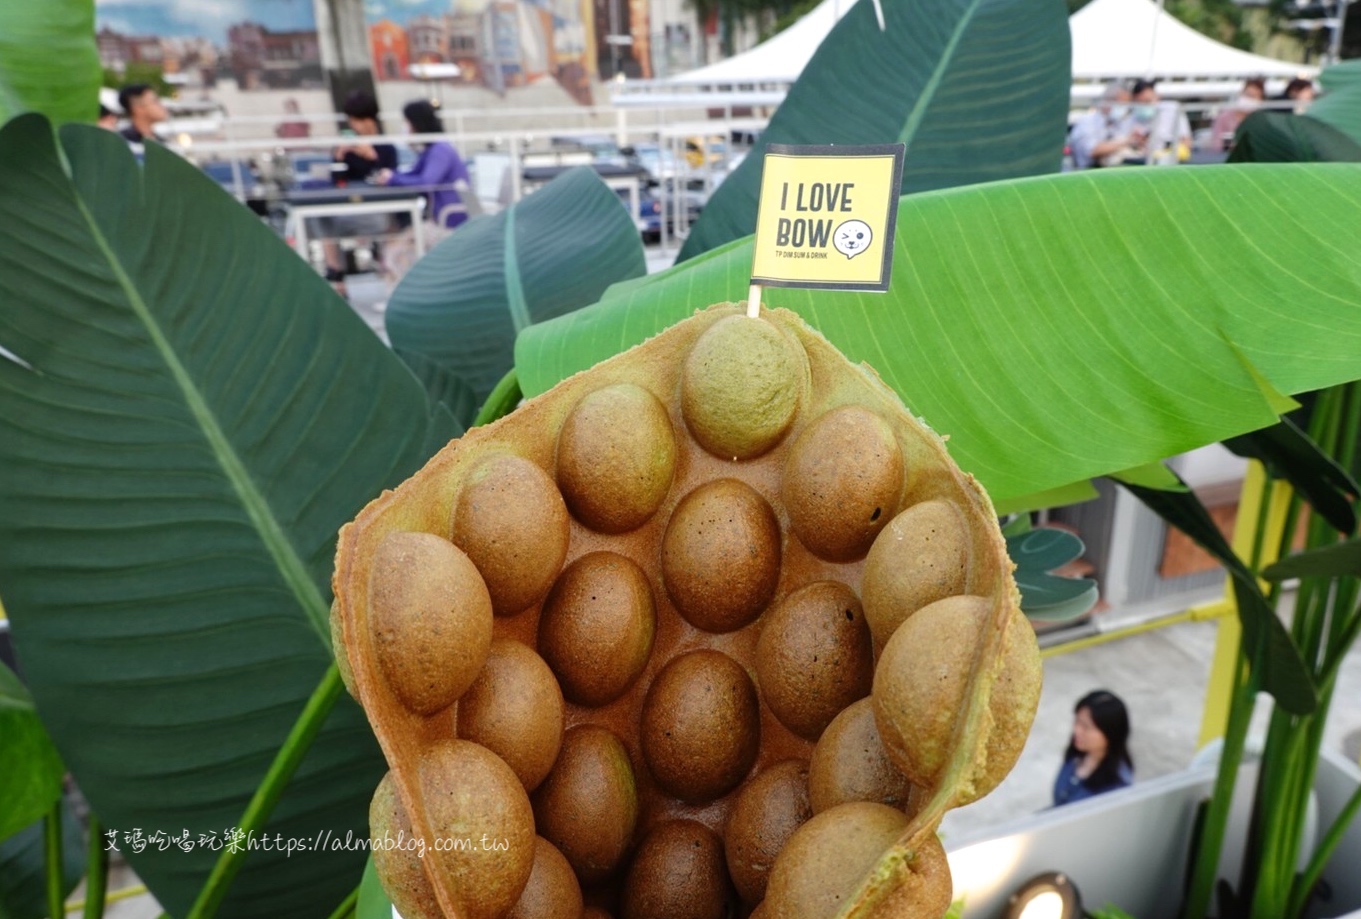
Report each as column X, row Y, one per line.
column 30, row 769
column 556, row 250
column 1065, row 327
column 977, row 90
column 195, row 416
column 48, row 60
column 1284, row 137
column 1341, row 108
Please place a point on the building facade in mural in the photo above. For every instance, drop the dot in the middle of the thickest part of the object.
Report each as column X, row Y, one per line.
column 257, row 44
column 262, row 58
column 388, row 48
column 250, row 56
column 501, row 44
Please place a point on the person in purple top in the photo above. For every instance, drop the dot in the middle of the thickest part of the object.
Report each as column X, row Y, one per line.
column 438, row 167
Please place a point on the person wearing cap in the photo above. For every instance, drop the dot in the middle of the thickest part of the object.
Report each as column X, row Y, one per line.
column 1104, row 131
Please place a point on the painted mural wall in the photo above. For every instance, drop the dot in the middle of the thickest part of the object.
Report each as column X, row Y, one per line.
column 256, row 60
column 261, row 58
column 199, row 44
column 506, row 45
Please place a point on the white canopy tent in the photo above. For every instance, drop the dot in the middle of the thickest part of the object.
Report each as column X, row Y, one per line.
column 780, row 59
column 1130, row 39
column 1112, row 40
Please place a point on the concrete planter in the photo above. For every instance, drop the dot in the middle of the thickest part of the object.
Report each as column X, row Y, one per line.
column 1129, row 848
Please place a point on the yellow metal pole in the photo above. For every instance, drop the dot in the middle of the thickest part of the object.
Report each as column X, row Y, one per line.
column 1223, row 668
column 75, row 906
column 1204, row 611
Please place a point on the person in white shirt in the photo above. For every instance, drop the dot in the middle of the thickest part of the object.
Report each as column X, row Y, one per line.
column 1104, row 131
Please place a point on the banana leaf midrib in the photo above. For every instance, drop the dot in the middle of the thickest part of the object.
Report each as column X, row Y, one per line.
column 256, row 506
column 928, row 93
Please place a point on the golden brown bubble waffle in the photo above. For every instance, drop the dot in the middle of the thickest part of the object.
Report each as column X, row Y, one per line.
column 714, row 625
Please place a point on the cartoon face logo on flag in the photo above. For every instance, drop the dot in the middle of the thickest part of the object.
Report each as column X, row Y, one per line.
column 826, row 217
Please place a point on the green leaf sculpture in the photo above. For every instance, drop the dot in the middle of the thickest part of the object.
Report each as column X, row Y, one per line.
column 461, row 306
column 49, row 62
column 192, row 417
column 977, row 90
column 1048, row 598
column 1065, row 327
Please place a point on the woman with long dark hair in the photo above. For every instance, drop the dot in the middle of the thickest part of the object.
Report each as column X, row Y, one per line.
column 438, row 168
column 1097, row 758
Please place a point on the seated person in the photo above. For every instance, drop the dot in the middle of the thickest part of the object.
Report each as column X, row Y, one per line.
column 363, row 162
column 1104, row 132
column 362, row 159
column 438, row 167
column 1227, row 121
column 293, row 125
column 1301, row 92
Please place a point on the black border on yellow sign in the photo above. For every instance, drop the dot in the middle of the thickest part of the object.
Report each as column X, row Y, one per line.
column 890, row 225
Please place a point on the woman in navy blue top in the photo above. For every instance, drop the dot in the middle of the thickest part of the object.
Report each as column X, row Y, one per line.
column 1097, row 758
column 437, row 168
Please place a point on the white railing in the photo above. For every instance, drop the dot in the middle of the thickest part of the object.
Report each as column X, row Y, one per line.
column 521, row 149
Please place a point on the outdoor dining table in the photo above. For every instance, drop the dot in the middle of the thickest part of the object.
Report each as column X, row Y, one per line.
column 352, row 200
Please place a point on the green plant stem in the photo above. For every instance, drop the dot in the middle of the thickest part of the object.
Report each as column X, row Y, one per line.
column 52, row 862
column 1280, row 812
column 346, row 907
column 1267, row 862
column 1263, row 514
column 267, row 795
column 502, row 400
column 1290, row 757
column 96, row 871
column 1312, row 744
column 1324, row 628
column 1338, row 653
column 1319, row 860
column 1269, row 793
column 1241, row 703
column 1206, row 865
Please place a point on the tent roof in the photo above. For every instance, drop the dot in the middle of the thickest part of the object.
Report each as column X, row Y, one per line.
column 779, row 59
column 1111, row 40
column 1114, row 39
